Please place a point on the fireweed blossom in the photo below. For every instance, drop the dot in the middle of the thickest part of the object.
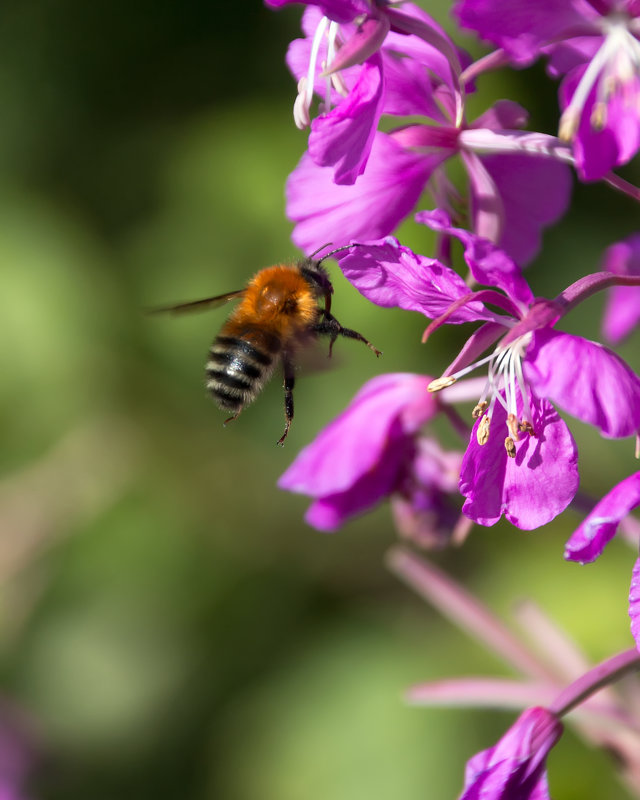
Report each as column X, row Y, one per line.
column 521, row 459
column 358, row 57
column 622, row 312
column 359, row 198
column 515, row 768
column 596, row 46
column 375, row 449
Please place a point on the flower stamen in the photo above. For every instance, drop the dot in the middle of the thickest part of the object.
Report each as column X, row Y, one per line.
column 505, row 385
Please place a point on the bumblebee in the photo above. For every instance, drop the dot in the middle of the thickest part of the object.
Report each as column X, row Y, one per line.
column 282, row 310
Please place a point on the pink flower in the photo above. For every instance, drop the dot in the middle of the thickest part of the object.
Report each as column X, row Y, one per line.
column 359, row 66
column 373, row 449
column 521, row 460
column 361, row 183
column 596, row 45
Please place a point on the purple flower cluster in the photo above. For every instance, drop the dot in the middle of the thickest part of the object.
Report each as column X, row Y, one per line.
column 382, row 89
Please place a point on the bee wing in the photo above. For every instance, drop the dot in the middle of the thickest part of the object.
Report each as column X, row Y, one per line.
column 206, row 304
column 314, row 358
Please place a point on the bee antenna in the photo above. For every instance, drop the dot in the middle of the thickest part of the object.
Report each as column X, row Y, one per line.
column 315, row 252
column 338, row 250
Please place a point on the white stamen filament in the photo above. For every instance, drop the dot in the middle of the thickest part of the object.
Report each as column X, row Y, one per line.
column 505, row 379
column 331, row 53
column 306, row 86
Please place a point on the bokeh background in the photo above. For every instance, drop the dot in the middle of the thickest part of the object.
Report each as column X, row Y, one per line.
column 169, row 626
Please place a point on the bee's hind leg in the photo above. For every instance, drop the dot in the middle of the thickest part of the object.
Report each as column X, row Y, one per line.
column 289, row 381
column 232, row 419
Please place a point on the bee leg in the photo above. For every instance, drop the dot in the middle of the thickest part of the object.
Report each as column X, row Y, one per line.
column 231, row 419
column 332, row 328
column 289, row 381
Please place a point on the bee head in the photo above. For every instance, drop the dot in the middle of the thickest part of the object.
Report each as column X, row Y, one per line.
column 316, row 274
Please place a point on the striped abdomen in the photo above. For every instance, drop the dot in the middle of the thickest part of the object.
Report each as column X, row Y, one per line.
column 239, row 366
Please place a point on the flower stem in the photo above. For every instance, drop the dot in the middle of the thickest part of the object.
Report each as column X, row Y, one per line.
column 466, row 611
column 603, row 674
column 487, row 63
column 623, row 186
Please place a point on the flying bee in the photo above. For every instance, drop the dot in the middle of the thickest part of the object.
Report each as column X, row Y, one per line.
column 279, row 314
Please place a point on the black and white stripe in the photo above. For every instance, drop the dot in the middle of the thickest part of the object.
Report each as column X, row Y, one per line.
column 237, row 369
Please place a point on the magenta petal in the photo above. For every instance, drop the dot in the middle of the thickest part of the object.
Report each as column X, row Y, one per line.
column 487, row 208
column 420, row 38
column 599, row 150
column 368, row 209
column 530, row 489
column 328, row 513
column 391, row 276
column 515, row 768
column 528, row 213
column 570, row 53
column 634, row 603
column 600, row 526
column 351, row 445
column 586, row 379
column 359, row 457
column 502, row 114
column 342, row 138
column 489, row 265
column 366, row 41
column 409, row 89
column 338, row 10
column 522, row 27
column 622, row 312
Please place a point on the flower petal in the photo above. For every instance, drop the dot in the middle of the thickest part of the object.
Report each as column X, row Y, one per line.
column 530, row 489
column 409, row 89
column 616, row 138
column 526, row 214
column 516, row 766
column 489, row 265
column 393, row 276
column 338, row 10
column 328, row 513
column 622, row 312
column 386, row 408
column 502, row 114
column 599, row 527
column 634, row 603
column 520, row 26
column 361, row 45
column 368, row 209
column 586, row 379
column 342, row 138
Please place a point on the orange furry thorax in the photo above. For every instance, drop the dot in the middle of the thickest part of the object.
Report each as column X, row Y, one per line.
column 278, row 299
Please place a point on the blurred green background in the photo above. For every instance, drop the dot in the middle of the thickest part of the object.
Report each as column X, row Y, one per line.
column 169, row 624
